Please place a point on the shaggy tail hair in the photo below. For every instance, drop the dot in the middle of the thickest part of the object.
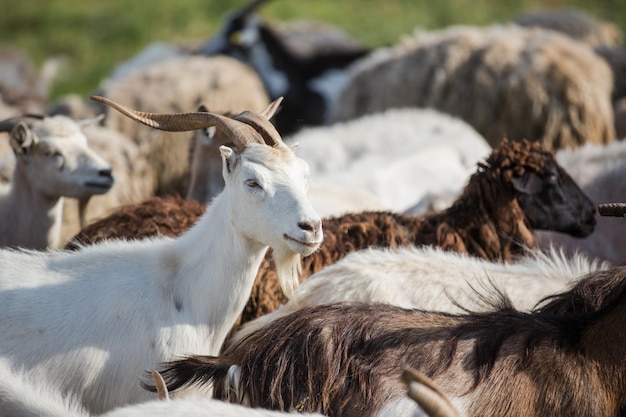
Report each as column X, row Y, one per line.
column 214, row 371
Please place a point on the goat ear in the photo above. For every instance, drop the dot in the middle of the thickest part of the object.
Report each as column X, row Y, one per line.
column 91, row 121
column 529, row 183
column 22, row 139
column 272, row 108
column 229, row 160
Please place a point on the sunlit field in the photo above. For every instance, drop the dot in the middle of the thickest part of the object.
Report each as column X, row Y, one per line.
column 93, row 36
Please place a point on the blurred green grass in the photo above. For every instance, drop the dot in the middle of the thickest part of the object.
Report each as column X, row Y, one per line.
column 96, row 35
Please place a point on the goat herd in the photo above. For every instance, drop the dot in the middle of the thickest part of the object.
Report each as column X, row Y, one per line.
column 430, row 215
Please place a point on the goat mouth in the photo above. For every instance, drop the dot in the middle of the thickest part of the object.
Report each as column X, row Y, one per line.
column 104, row 186
column 308, row 244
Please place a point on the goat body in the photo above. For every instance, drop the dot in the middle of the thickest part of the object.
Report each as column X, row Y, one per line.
column 92, row 321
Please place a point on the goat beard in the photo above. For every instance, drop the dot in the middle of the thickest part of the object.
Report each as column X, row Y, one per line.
column 288, row 269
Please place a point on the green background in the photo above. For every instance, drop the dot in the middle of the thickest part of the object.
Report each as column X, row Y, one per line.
column 95, row 35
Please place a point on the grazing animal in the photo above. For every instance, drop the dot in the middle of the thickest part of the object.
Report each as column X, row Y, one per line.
column 91, row 321
column 284, row 72
column 565, row 358
column 430, row 278
column 503, row 80
column 52, row 161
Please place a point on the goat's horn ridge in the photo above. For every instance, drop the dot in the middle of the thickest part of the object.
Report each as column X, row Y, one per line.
column 237, row 131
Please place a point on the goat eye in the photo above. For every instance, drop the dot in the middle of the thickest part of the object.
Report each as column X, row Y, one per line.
column 254, row 184
column 553, row 179
column 58, row 158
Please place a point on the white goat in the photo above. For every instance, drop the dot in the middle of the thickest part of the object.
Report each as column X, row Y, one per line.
column 52, row 161
column 92, row 321
column 432, row 279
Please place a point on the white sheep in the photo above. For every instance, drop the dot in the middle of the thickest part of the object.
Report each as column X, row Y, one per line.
column 52, row 161
column 430, row 278
column 398, row 155
column 90, row 322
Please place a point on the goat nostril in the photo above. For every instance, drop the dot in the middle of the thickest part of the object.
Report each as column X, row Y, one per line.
column 309, row 227
column 108, row 172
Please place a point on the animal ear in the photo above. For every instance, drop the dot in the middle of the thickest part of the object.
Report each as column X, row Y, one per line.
column 529, row 183
column 22, row 139
column 90, row 121
column 229, row 160
column 203, row 109
column 272, row 108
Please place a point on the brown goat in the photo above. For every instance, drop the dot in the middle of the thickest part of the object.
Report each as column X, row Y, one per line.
column 566, row 358
column 492, row 219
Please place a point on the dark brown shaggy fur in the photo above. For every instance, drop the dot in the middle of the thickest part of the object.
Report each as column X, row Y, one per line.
column 567, row 358
column 167, row 217
column 485, row 221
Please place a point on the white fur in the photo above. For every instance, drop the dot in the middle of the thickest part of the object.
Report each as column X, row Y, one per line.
column 432, row 279
column 91, row 322
column 21, row 396
column 58, row 163
column 398, row 155
column 197, row 407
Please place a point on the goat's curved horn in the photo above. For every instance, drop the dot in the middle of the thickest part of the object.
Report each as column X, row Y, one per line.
column 238, row 132
column 612, row 209
column 7, row 125
column 161, row 387
column 427, row 394
column 261, row 122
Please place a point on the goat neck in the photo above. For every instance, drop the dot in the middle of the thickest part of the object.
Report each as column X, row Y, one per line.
column 219, row 300
column 44, row 213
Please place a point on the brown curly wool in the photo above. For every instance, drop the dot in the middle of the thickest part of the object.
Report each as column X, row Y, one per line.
column 158, row 216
